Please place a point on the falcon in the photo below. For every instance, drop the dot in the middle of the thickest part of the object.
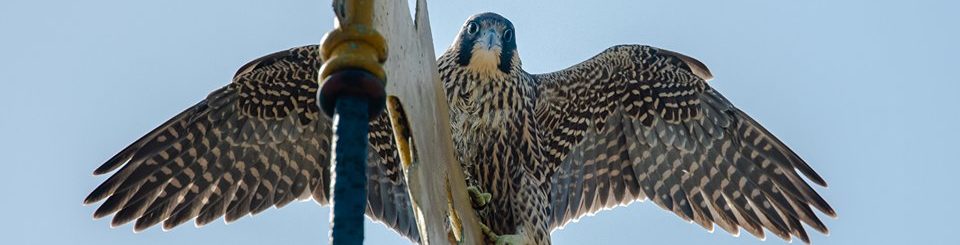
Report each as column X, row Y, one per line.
column 539, row 150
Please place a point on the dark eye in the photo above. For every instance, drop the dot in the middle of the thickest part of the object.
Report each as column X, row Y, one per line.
column 508, row 35
column 472, row 28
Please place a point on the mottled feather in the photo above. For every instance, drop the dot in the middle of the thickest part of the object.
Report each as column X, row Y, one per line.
column 256, row 143
column 683, row 146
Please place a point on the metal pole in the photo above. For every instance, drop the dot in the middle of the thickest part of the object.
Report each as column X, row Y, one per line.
column 358, row 96
column 352, row 92
column 351, row 125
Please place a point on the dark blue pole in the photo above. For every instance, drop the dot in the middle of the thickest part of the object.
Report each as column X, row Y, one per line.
column 351, row 97
column 352, row 92
column 351, row 123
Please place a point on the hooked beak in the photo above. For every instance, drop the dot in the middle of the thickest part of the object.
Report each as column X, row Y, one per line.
column 490, row 39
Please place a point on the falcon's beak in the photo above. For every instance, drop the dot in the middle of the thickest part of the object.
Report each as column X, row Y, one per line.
column 485, row 56
column 489, row 40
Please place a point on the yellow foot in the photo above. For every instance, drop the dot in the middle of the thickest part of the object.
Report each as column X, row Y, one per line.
column 511, row 239
column 480, row 199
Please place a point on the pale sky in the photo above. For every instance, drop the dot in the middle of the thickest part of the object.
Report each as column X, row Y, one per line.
column 865, row 91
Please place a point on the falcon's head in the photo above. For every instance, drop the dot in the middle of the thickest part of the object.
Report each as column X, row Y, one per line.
column 486, row 43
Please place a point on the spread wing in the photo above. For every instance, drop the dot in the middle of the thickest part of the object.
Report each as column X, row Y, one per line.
column 637, row 122
column 256, row 143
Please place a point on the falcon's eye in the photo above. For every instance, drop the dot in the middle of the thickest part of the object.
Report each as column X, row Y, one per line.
column 472, row 28
column 508, row 35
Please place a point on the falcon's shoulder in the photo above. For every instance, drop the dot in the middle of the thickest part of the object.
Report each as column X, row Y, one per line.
column 637, row 122
column 256, row 143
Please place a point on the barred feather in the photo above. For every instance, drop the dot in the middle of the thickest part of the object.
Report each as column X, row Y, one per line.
column 692, row 152
column 256, row 143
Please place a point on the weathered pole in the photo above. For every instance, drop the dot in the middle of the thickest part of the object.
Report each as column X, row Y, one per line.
column 419, row 113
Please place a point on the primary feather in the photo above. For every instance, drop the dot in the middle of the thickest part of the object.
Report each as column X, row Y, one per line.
column 256, row 143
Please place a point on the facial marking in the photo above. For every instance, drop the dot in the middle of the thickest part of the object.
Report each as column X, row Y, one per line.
column 486, row 45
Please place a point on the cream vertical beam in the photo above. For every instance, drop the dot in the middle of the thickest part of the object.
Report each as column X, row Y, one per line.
column 420, row 117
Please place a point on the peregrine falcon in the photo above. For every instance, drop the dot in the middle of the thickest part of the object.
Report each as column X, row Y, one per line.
column 631, row 123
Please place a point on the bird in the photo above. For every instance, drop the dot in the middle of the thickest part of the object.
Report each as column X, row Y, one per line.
column 632, row 123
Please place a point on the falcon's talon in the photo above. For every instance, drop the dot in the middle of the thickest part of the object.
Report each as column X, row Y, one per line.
column 511, row 239
column 480, row 199
column 487, row 231
column 507, row 239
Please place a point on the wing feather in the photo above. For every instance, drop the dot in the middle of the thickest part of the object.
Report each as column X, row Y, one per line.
column 256, row 143
column 637, row 122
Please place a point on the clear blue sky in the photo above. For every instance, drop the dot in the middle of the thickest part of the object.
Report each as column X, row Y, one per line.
column 865, row 91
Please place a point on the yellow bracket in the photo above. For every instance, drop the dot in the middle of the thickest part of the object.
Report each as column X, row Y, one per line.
column 354, row 43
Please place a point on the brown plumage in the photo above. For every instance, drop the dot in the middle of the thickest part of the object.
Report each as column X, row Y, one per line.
column 256, row 143
column 632, row 123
